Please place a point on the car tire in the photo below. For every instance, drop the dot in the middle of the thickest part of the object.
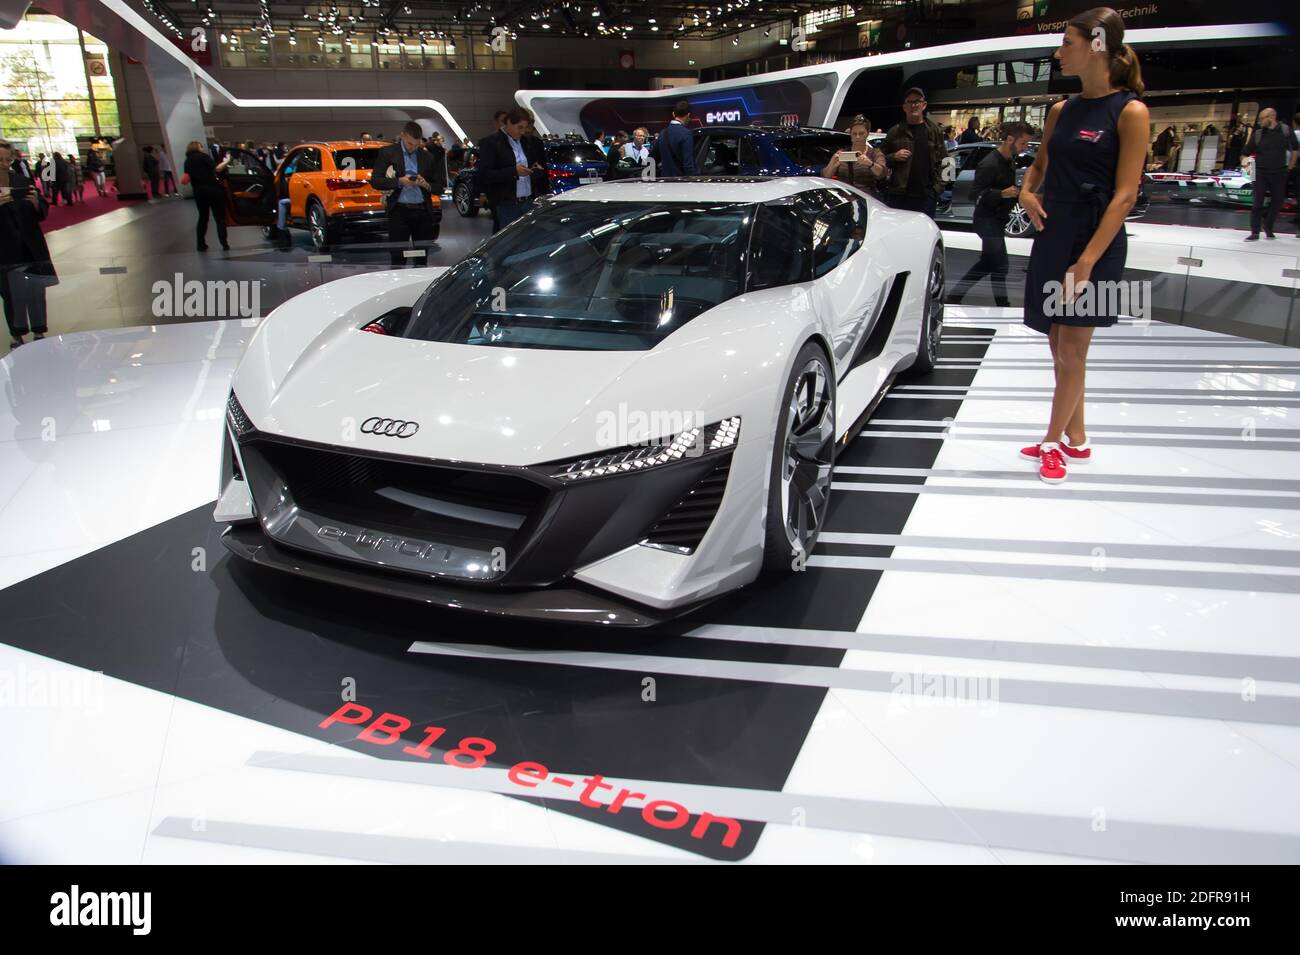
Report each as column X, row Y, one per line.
column 927, row 349
column 803, row 464
column 465, row 203
column 318, row 223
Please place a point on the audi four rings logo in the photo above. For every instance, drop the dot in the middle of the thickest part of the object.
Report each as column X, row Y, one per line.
column 390, row 427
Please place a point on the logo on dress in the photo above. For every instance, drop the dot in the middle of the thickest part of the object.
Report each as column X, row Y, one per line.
column 1092, row 135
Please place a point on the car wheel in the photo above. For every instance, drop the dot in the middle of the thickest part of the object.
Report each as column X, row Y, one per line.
column 464, row 202
column 1018, row 223
column 321, row 236
column 927, row 350
column 803, row 461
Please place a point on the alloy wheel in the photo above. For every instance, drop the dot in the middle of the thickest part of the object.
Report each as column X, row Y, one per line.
column 1019, row 222
column 808, row 457
column 934, row 332
column 318, row 237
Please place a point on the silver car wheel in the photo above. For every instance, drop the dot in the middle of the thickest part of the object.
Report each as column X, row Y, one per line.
column 808, row 457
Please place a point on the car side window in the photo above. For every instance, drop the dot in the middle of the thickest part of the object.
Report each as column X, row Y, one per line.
column 309, row 161
column 722, row 158
column 291, row 165
column 748, row 154
column 780, row 249
column 837, row 234
column 973, row 158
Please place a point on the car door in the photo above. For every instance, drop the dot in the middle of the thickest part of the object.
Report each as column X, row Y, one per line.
column 307, row 179
column 963, row 197
column 846, row 287
column 701, row 147
column 250, row 190
column 721, row 155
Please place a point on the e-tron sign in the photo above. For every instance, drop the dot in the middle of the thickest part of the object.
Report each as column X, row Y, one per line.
column 723, row 116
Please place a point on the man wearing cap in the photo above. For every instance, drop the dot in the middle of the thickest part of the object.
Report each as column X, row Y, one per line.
column 915, row 152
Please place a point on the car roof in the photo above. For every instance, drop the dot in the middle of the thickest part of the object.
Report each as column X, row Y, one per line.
column 781, row 132
column 341, row 144
column 693, row 189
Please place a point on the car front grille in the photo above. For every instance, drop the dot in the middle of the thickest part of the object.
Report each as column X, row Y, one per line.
column 404, row 515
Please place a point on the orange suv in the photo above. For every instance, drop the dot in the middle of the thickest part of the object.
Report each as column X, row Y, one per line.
column 327, row 184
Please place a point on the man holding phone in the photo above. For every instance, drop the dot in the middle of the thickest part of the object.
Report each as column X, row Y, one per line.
column 1271, row 145
column 505, row 171
column 25, row 266
column 411, row 177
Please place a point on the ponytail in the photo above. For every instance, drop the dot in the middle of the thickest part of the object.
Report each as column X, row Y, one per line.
column 1125, row 72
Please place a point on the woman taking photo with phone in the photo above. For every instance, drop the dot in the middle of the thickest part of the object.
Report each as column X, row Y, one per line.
column 1090, row 165
column 861, row 165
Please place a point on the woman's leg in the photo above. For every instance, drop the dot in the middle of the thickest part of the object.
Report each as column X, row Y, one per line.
column 201, row 200
column 1074, row 429
column 1070, row 361
column 10, row 307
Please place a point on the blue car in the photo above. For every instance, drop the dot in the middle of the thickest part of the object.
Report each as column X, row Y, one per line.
column 766, row 150
column 570, row 163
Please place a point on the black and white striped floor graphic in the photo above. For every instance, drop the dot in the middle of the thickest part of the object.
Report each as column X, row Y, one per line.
column 974, row 667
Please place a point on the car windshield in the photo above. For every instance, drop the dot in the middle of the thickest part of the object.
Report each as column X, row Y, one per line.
column 355, row 158
column 814, row 150
column 595, row 276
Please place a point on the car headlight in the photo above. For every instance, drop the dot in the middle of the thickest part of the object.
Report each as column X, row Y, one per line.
column 235, row 416
column 691, row 443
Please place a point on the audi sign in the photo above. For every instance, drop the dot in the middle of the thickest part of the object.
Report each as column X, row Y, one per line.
column 389, row 427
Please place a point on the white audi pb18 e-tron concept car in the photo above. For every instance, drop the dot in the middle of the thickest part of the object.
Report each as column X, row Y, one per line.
column 627, row 402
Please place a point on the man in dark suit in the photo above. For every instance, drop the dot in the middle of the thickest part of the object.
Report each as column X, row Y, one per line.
column 411, row 177
column 507, row 162
column 535, row 150
column 674, row 150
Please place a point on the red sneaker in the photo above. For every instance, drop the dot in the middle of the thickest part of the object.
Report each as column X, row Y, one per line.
column 1076, row 454
column 1032, row 453
column 1052, row 468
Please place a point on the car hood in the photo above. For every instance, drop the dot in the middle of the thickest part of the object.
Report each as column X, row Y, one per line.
column 493, row 405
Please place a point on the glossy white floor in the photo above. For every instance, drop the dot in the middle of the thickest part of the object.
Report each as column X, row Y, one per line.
column 1123, row 672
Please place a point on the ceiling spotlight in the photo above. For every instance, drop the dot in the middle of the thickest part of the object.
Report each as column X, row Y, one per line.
column 735, row 41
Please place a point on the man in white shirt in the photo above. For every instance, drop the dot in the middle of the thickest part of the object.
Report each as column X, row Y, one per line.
column 638, row 149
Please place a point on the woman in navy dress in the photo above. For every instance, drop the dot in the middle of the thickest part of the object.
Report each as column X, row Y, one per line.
column 1090, row 166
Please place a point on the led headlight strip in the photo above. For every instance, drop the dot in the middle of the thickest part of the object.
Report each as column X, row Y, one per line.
column 690, row 443
column 239, row 422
